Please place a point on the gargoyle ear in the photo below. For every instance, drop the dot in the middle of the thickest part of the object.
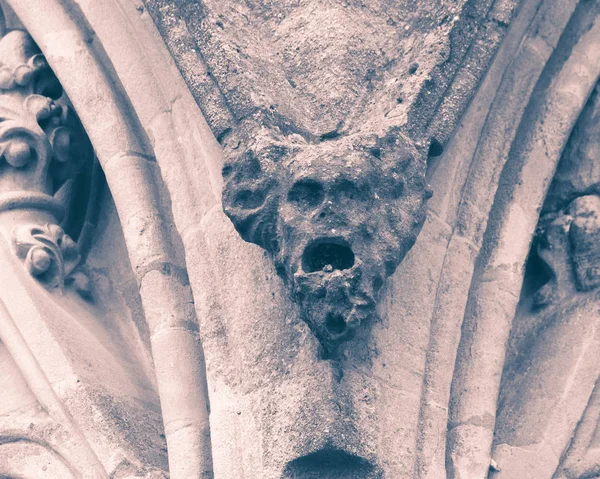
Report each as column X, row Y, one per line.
column 251, row 193
column 401, row 165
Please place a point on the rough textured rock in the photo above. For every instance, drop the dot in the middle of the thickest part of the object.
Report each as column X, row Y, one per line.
column 337, row 219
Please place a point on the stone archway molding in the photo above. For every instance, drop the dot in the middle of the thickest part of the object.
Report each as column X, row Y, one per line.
column 85, row 65
column 554, row 108
column 515, row 128
column 74, row 452
column 23, row 457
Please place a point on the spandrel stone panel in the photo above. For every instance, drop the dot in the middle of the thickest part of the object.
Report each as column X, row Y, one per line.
column 319, row 99
column 304, row 158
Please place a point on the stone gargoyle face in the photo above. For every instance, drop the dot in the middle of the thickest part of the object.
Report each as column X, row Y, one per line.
column 337, row 216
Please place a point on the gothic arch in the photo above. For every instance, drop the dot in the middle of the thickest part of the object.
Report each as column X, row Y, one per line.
column 452, row 314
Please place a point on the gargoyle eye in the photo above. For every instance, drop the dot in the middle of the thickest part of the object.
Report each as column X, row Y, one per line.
column 306, row 194
column 250, row 199
column 249, row 168
column 226, row 171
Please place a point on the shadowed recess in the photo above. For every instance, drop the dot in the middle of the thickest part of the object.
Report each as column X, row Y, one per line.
column 330, row 464
column 322, row 253
column 335, row 323
column 436, row 150
column 306, row 193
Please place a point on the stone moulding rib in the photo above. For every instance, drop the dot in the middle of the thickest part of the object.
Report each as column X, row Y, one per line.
column 495, row 291
column 487, row 152
column 78, row 61
column 464, row 246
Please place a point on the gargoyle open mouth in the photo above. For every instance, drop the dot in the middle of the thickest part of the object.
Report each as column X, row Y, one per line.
column 334, row 293
column 327, row 254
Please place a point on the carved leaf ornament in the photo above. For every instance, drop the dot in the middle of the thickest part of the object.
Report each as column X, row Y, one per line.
column 49, row 255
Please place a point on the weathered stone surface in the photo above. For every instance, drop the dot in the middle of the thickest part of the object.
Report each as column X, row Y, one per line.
column 330, row 116
column 551, row 368
column 337, row 220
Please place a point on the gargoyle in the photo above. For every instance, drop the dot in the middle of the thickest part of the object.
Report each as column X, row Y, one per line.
column 337, row 217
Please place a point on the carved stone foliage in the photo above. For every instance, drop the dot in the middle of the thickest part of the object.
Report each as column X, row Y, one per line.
column 43, row 150
column 50, row 255
column 337, row 218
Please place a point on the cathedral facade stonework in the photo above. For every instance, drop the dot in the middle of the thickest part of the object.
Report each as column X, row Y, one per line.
column 299, row 239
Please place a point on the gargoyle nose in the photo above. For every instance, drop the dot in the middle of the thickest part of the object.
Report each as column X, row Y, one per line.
column 326, row 211
column 327, row 255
